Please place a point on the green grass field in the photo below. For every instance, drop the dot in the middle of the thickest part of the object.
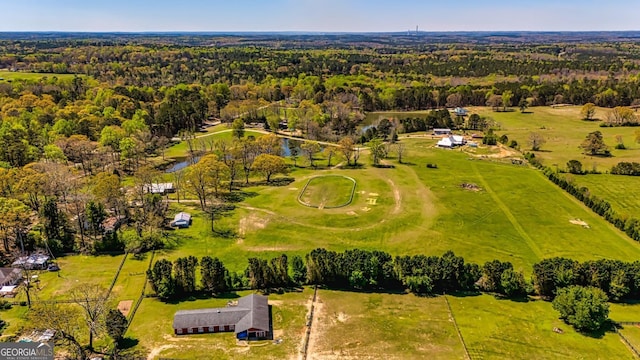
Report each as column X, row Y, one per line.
column 361, row 326
column 622, row 192
column 15, row 75
column 504, row 329
column 328, row 192
column 632, row 334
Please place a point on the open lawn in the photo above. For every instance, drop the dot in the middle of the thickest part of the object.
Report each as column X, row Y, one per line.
column 328, row 192
column 15, row 75
column 632, row 334
column 504, row 329
column 622, row 192
column 153, row 328
column 391, row 326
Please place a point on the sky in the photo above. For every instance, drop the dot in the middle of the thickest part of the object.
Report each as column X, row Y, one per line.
column 318, row 15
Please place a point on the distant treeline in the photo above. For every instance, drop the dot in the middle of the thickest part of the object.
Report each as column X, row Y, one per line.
column 379, row 271
column 630, row 225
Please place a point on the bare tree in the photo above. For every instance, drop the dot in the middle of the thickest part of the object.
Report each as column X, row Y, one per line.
column 64, row 319
column 400, row 149
column 93, row 301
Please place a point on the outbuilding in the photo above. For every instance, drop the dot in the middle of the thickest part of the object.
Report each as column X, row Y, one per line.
column 10, row 276
column 442, row 131
column 249, row 320
column 181, row 220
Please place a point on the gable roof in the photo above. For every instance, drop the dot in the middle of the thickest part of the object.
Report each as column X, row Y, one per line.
column 182, row 216
column 252, row 312
column 6, row 273
column 258, row 318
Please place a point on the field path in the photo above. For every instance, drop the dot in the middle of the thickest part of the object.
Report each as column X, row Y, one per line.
column 516, row 225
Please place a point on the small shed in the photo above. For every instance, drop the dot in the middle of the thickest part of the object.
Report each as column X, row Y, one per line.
column 181, row 220
column 460, row 111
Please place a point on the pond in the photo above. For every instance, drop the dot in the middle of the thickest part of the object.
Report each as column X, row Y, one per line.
column 179, row 165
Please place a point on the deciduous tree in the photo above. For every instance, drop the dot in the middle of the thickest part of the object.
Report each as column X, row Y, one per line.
column 269, row 165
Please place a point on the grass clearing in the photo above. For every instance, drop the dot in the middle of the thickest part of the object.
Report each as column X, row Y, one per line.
column 219, row 132
column 17, row 75
column 504, row 329
column 331, row 191
column 632, row 334
column 393, row 326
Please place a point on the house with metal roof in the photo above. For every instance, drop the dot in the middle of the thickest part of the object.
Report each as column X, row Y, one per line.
column 10, row 276
column 249, row 320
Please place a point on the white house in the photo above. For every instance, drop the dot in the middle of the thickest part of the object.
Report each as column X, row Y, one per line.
column 159, row 188
column 442, row 131
column 451, row 141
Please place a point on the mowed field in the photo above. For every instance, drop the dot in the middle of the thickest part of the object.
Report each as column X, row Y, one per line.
column 328, row 191
column 511, row 213
column 622, row 192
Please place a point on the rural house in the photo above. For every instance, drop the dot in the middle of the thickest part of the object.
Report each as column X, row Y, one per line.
column 249, row 319
column 32, row 262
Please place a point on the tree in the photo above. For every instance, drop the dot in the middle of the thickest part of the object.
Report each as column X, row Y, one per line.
column 116, row 324
column 523, row 105
column 269, row 165
column 536, row 140
column 184, row 270
column 62, row 318
column 299, row 270
column 506, row 99
column 490, row 138
column 378, row 151
column 92, row 299
column 238, row 128
column 494, row 101
column 400, row 150
column 621, row 116
column 329, row 152
column 310, row 148
column 492, row 272
column 594, row 144
column 588, row 111
column 512, row 283
column 95, row 217
column 585, row 308
column 213, row 275
column 346, row 147
column 574, row 167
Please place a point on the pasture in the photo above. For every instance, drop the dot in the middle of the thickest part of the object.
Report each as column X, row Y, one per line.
column 504, row 329
column 622, row 192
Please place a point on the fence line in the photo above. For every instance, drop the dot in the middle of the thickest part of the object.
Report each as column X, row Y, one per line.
column 144, row 288
column 624, row 338
column 305, row 344
column 115, row 278
column 455, row 324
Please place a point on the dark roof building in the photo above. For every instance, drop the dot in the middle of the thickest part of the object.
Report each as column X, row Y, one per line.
column 249, row 319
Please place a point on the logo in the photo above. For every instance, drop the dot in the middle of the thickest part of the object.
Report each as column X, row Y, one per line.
column 26, row 351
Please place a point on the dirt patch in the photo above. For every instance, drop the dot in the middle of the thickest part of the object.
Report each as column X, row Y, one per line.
column 580, row 223
column 125, row 307
column 251, row 223
column 342, row 317
column 366, row 209
column 374, row 194
column 352, row 213
column 396, row 197
column 157, row 350
column 471, row 187
column 317, row 329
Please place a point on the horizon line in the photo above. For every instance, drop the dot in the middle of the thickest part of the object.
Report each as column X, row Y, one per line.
column 306, row 31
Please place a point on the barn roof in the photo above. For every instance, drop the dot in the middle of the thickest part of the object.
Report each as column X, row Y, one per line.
column 252, row 312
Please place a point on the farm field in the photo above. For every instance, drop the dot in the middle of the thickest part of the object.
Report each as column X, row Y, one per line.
column 622, row 192
column 362, row 325
column 504, row 329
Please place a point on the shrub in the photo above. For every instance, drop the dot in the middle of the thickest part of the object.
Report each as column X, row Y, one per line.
column 513, row 144
column 432, row 166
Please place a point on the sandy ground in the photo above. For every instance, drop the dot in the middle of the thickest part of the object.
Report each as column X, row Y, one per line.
column 125, row 306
